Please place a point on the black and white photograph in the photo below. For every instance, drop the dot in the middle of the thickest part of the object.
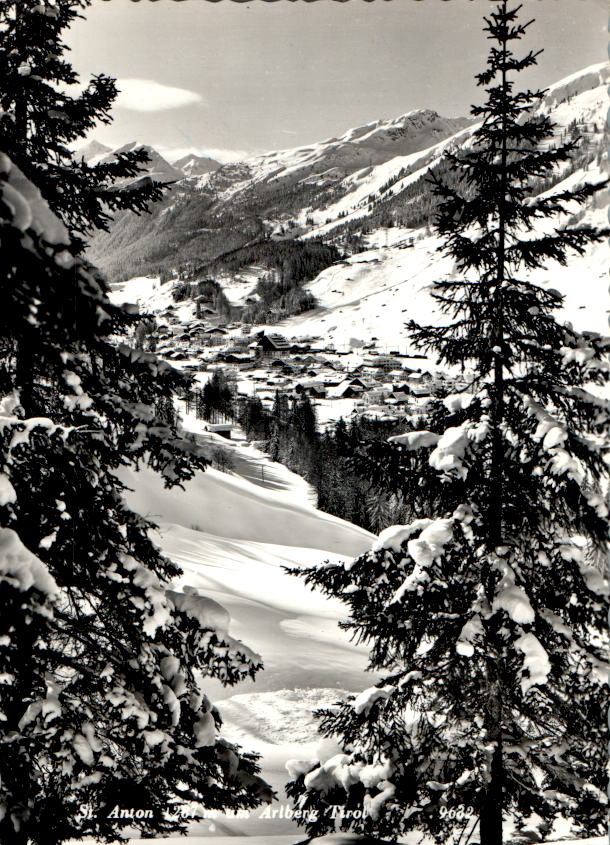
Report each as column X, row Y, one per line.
column 304, row 422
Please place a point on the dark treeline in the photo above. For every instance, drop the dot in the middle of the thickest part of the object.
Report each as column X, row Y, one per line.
column 216, row 399
column 211, row 292
column 285, row 303
column 294, row 262
column 334, row 462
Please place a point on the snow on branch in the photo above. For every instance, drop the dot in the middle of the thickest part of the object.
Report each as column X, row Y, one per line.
column 365, row 700
column 414, row 440
column 424, row 550
column 511, row 597
column 451, row 449
column 536, row 664
column 20, row 568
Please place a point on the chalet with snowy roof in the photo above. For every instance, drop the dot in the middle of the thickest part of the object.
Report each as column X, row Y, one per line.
column 372, row 397
column 271, row 345
column 315, row 389
column 284, row 366
column 213, row 336
column 356, row 381
column 233, row 358
column 384, row 363
column 346, row 390
column 420, row 390
column 330, row 379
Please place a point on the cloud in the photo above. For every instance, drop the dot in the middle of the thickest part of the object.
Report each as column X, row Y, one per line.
column 146, row 95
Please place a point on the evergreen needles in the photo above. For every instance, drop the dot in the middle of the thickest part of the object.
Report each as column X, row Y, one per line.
column 42, row 114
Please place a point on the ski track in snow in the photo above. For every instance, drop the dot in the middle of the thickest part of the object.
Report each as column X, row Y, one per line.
column 248, row 461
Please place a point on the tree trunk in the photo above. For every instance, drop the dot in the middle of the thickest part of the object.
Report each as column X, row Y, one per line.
column 492, row 808
column 24, row 371
column 490, row 816
column 24, row 377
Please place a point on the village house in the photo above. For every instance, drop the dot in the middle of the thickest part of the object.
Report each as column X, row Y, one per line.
column 399, row 397
column 315, row 389
column 214, row 336
column 345, row 390
column 284, row 366
column 375, row 396
column 234, row 358
column 203, row 311
column 270, row 346
column 330, row 379
column 420, row 390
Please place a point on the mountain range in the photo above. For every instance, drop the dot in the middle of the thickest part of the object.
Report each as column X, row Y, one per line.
column 213, row 208
column 338, row 191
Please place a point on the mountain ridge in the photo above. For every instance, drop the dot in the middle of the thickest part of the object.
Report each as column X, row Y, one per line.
column 370, row 176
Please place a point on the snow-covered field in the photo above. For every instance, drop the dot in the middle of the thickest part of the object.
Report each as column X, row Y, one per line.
column 247, row 461
column 232, row 537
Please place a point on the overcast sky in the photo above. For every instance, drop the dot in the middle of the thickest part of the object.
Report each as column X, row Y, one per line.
column 226, row 78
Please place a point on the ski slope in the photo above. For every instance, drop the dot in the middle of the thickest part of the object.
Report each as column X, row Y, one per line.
column 232, row 539
column 246, row 460
column 373, row 294
column 232, row 508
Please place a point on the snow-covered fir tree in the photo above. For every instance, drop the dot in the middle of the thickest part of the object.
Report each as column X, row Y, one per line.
column 484, row 615
column 43, row 113
column 102, row 663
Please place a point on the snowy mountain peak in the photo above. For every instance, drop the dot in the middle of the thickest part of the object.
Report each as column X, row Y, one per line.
column 159, row 168
column 93, row 152
column 371, row 176
column 368, row 145
column 196, row 165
